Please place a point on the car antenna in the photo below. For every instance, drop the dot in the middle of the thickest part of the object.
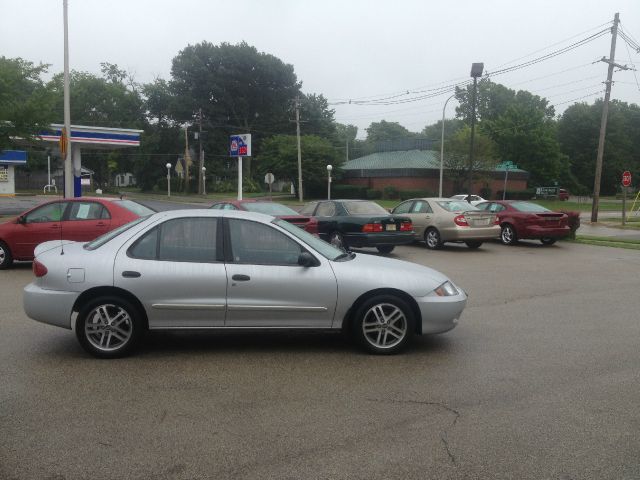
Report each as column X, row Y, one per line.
column 61, row 242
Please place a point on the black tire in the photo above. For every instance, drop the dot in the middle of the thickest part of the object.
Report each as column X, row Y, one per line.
column 385, row 249
column 473, row 245
column 6, row 259
column 508, row 234
column 548, row 240
column 337, row 240
column 93, row 329
column 432, row 239
column 383, row 325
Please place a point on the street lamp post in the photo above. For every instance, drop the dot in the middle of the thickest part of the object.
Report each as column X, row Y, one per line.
column 168, row 165
column 442, row 145
column 476, row 71
column 204, row 181
column 329, row 168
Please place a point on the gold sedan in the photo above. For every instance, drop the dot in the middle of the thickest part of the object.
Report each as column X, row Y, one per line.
column 440, row 220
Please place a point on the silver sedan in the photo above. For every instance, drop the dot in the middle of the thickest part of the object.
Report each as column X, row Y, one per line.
column 217, row 269
column 440, row 220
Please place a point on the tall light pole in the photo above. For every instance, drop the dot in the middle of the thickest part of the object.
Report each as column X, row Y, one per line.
column 204, row 180
column 442, row 145
column 329, row 168
column 69, row 179
column 476, row 71
column 168, row 165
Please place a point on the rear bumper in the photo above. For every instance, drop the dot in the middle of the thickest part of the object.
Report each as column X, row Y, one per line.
column 471, row 233
column 49, row 306
column 375, row 239
column 536, row 231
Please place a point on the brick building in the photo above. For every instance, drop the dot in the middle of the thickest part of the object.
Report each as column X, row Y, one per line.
column 420, row 170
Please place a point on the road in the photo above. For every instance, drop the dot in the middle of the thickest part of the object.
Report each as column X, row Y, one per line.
column 539, row 381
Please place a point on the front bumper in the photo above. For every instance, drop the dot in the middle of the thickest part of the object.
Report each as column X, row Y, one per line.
column 49, row 306
column 375, row 239
column 441, row 314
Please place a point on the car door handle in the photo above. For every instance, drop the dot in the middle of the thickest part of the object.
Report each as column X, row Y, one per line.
column 240, row 278
column 101, row 224
column 130, row 274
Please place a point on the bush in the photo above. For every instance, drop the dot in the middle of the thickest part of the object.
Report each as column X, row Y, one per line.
column 390, row 192
column 374, row 194
column 348, row 191
column 574, row 222
column 409, row 194
column 485, row 193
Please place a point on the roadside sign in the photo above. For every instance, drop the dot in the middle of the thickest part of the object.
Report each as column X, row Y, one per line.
column 269, row 178
column 626, row 178
column 240, row 145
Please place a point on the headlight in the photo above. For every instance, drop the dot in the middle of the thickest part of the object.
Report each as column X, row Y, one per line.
column 447, row 289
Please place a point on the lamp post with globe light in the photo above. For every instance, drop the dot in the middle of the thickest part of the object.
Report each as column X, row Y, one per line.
column 329, row 168
column 204, row 181
column 168, row 179
column 476, row 71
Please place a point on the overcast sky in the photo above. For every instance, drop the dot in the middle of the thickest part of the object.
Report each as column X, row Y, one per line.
column 346, row 49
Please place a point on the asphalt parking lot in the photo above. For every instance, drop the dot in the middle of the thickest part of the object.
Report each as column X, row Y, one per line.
column 539, row 381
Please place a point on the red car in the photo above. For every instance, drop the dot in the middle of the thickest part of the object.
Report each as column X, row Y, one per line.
column 525, row 220
column 269, row 208
column 79, row 219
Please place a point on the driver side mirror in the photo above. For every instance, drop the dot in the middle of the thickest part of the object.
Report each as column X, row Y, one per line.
column 21, row 220
column 306, row 260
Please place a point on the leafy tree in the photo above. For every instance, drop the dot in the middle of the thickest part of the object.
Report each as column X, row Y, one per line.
column 434, row 131
column 317, row 116
column 25, row 101
column 384, row 131
column 279, row 155
column 456, row 157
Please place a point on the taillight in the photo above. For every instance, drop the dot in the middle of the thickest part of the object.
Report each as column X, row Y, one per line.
column 39, row 270
column 496, row 221
column 372, row 227
column 311, row 226
column 461, row 221
column 406, row 226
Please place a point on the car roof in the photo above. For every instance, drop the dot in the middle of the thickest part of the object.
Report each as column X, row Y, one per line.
column 207, row 212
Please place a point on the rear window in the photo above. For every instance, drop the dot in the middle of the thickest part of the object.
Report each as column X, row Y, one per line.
column 269, row 208
column 364, row 208
column 135, row 207
column 457, row 206
column 529, row 207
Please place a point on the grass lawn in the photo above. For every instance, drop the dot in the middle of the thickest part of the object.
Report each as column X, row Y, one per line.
column 607, row 242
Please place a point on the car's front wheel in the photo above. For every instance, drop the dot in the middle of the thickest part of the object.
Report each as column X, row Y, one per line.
column 5, row 256
column 108, row 327
column 508, row 235
column 432, row 239
column 385, row 248
column 548, row 240
column 383, row 325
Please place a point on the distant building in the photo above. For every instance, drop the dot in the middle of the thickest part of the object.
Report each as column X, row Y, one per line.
column 420, row 170
column 124, row 179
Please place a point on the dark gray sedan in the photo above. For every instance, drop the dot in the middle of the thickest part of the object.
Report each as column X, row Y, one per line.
column 217, row 269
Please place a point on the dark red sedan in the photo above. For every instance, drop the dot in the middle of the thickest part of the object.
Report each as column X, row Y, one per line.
column 79, row 219
column 269, row 208
column 525, row 220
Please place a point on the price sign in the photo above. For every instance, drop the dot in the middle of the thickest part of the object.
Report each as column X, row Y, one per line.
column 626, row 179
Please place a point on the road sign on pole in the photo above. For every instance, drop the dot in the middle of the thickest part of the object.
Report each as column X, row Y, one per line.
column 626, row 179
column 240, row 145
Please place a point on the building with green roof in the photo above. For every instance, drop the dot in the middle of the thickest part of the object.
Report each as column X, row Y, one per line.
column 420, row 170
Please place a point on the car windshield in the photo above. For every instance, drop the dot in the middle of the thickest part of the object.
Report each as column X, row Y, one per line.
column 529, row 207
column 323, row 248
column 101, row 240
column 269, row 208
column 135, row 207
column 456, row 206
column 364, row 208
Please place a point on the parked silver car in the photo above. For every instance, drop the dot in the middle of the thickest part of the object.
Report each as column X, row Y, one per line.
column 224, row 269
column 440, row 220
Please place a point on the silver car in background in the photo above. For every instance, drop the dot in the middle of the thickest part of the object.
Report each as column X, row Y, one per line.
column 440, row 220
column 224, row 269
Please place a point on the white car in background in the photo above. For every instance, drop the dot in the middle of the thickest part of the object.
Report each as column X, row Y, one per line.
column 472, row 199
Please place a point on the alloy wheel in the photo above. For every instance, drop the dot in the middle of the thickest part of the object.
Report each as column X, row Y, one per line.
column 384, row 325
column 108, row 327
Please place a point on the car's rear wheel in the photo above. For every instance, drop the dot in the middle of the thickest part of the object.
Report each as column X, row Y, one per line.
column 383, row 325
column 432, row 239
column 6, row 260
column 473, row 245
column 548, row 240
column 108, row 327
column 337, row 240
column 385, row 248
column 508, row 235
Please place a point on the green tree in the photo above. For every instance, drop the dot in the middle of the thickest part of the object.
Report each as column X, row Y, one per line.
column 384, row 131
column 25, row 101
column 279, row 155
column 456, row 157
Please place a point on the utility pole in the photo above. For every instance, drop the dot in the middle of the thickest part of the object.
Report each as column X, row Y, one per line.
column 300, row 197
column 69, row 180
column 605, row 113
column 186, row 160
column 201, row 155
column 347, row 157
